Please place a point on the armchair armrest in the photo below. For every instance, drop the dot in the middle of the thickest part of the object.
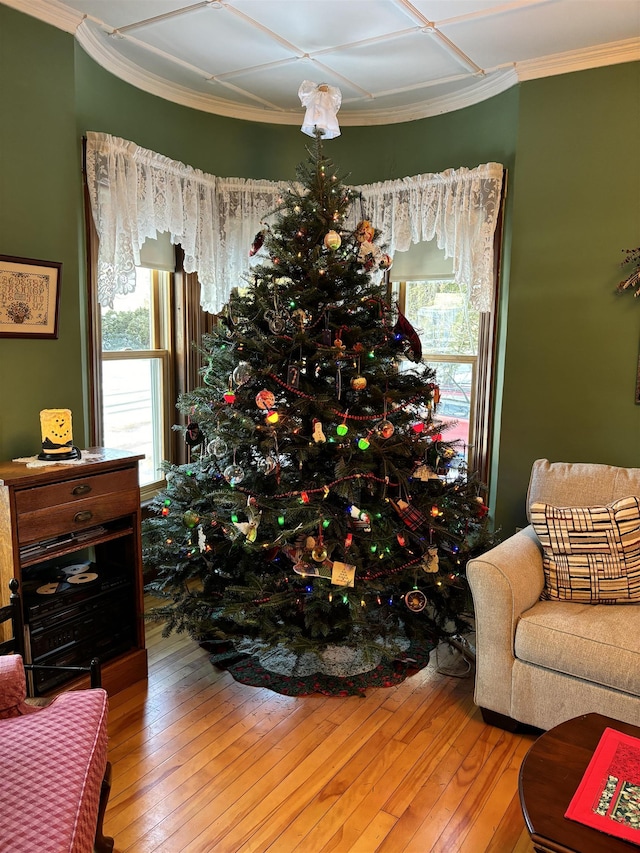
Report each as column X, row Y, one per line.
column 13, row 688
column 504, row 582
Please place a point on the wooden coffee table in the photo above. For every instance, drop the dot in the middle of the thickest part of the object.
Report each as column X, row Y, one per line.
column 549, row 776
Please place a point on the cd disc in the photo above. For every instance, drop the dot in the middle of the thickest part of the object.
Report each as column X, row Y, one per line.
column 83, row 577
column 79, row 568
column 48, row 589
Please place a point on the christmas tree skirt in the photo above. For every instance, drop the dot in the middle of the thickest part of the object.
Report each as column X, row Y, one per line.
column 338, row 671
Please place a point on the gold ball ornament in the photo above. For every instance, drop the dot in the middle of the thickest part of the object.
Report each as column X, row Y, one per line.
column 332, row 240
column 359, row 383
column 190, row 518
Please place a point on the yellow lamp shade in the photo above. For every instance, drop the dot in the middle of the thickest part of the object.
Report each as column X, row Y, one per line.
column 57, row 435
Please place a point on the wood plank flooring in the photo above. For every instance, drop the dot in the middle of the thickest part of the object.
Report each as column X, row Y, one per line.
column 202, row 764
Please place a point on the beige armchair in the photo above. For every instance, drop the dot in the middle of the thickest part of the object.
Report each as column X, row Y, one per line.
column 541, row 662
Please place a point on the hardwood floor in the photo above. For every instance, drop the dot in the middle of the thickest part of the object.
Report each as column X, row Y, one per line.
column 202, row 764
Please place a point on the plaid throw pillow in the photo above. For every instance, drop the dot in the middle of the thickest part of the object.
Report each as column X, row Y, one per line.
column 590, row 554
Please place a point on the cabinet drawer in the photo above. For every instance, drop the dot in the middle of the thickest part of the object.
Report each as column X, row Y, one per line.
column 80, row 488
column 78, row 515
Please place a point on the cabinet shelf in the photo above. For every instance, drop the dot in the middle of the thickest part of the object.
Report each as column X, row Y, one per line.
column 71, row 546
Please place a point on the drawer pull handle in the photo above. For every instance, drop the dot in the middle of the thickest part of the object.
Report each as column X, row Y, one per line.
column 82, row 489
column 85, row 515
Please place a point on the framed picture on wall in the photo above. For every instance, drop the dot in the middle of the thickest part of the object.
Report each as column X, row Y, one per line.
column 29, row 297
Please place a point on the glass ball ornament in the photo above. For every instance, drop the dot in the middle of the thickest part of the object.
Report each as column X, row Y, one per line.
column 342, row 430
column 190, row 518
column 229, row 397
column 332, row 240
column 218, row 447
column 266, row 465
column 272, row 417
column 363, row 443
column 233, row 474
column 242, row 373
column 385, row 429
column 319, row 554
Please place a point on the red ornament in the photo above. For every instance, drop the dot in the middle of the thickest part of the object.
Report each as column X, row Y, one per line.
column 258, row 240
column 418, row 428
column 229, row 397
column 411, row 515
column 304, row 497
column 483, row 509
column 403, row 330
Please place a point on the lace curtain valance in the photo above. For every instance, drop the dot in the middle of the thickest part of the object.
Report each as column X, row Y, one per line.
column 136, row 193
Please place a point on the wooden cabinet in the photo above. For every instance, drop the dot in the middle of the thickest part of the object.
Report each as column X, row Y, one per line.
column 70, row 534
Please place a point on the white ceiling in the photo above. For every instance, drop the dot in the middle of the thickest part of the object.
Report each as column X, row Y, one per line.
column 393, row 60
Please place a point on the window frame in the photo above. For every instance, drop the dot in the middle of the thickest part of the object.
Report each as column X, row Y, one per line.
column 161, row 352
column 483, row 397
column 187, row 323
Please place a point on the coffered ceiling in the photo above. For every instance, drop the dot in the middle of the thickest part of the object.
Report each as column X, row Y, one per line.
column 393, row 60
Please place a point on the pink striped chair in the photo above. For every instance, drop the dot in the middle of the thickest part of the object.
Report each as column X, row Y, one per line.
column 54, row 774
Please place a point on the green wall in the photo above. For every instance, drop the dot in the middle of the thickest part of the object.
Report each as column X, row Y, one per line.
column 571, row 344
column 568, row 343
column 40, row 194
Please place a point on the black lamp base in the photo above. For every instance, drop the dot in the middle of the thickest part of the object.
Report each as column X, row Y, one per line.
column 74, row 453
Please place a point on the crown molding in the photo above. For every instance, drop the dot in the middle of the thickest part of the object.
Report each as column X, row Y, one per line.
column 613, row 53
column 49, row 11
column 479, row 90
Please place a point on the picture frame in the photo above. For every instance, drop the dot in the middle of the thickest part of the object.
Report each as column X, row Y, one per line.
column 29, row 297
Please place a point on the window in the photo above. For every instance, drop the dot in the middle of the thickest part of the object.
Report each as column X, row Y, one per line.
column 457, row 342
column 137, row 398
column 448, row 327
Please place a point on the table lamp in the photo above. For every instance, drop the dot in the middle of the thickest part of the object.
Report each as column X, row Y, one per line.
column 57, row 436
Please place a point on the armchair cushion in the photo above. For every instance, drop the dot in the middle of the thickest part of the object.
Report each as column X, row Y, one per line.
column 590, row 554
column 589, row 642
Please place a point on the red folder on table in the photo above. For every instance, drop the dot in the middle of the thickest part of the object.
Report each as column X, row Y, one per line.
column 608, row 796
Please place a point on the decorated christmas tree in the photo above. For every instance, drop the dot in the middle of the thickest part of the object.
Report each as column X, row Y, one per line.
column 321, row 505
